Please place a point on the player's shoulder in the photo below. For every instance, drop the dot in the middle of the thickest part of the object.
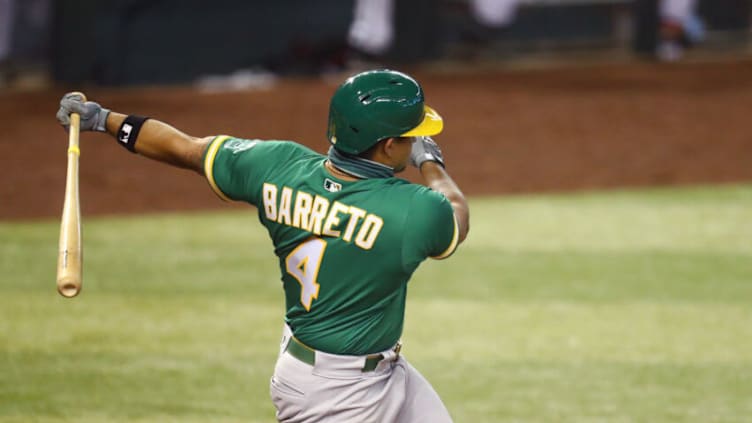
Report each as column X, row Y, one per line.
column 258, row 150
column 416, row 198
column 290, row 146
column 238, row 145
column 417, row 192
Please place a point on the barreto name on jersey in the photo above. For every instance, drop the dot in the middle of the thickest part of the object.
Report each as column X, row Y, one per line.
column 319, row 216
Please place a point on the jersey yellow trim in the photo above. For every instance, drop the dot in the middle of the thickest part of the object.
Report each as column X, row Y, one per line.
column 211, row 154
column 452, row 245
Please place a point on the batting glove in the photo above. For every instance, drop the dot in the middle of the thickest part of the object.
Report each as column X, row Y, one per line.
column 93, row 116
column 425, row 149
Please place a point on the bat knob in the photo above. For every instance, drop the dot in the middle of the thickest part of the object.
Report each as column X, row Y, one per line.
column 79, row 93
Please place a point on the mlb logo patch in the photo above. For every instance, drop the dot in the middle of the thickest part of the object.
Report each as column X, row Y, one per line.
column 332, row 186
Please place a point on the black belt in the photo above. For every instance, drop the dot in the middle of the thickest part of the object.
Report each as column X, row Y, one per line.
column 307, row 354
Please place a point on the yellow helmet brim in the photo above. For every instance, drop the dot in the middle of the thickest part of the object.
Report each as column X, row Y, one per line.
column 432, row 124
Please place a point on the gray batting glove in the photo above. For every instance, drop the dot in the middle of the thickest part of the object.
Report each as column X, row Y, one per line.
column 93, row 116
column 425, row 149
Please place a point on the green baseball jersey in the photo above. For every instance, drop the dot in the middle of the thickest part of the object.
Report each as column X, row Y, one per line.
column 346, row 248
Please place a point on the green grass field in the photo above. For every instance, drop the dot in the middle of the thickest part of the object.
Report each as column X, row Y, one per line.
column 628, row 306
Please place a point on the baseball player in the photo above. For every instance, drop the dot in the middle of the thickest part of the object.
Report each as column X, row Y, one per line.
column 348, row 235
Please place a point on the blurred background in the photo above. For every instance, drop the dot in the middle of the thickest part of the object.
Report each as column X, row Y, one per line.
column 127, row 42
column 538, row 95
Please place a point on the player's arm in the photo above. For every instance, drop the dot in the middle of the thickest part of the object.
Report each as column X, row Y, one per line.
column 162, row 142
column 426, row 156
column 437, row 178
column 151, row 138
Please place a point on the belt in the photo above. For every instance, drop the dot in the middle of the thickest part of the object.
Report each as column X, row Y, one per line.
column 307, row 354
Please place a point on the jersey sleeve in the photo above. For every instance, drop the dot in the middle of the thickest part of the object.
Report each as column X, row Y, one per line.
column 432, row 229
column 235, row 168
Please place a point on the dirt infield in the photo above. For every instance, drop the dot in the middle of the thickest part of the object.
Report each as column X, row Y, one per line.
column 506, row 131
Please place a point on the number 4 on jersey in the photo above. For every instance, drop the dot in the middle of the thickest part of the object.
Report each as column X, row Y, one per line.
column 303, row 264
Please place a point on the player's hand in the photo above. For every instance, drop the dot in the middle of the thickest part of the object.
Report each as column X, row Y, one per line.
column 425, row 149
column 93, row 116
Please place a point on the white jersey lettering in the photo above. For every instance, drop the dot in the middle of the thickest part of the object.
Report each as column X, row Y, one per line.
column 270, row 201
column 317, row 215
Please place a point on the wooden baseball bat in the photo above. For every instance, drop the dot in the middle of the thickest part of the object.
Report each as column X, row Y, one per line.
column 70, row 252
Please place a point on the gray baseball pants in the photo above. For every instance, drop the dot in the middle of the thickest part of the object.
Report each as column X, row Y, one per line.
column 336, row 389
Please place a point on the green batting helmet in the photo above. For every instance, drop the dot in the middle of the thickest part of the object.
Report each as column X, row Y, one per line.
column 379, row 104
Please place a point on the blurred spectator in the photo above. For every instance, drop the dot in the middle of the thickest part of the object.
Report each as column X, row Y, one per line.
column 372, row 29
column 494, row 13
column 24, row 38
column 6, row 29
column 680, row 27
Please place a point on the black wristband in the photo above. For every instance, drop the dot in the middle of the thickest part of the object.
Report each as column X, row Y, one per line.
column 128, row 132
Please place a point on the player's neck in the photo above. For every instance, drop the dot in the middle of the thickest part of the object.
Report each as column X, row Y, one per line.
column 334, row 171
column 358, row 167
